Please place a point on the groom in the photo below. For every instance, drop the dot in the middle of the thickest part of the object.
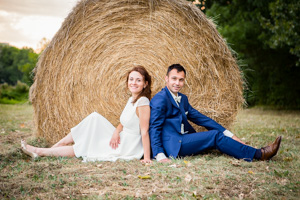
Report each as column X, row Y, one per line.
column 171, row 134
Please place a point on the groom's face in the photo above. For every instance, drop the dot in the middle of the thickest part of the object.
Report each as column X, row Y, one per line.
column 175, row 81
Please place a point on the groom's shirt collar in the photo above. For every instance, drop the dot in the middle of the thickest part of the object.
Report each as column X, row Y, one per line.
column 173, row 95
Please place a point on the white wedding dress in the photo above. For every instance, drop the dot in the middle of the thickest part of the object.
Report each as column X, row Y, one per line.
column 93, row 134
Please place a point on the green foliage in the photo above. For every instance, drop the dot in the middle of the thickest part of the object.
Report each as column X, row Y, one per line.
column 14, row 94
column 16, row 64
column 265, row 35
column 9, row 72
column 282, row 27
column 28, row 66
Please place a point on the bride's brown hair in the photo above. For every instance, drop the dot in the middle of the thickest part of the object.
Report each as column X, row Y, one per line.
column 147, row 78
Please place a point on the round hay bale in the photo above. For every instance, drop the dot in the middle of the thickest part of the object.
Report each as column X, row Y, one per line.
column 84, row 67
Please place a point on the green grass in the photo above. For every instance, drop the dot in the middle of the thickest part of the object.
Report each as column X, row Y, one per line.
column 208, row 176
column 12, row 101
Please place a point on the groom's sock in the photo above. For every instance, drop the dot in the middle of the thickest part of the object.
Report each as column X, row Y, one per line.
column 257, row 154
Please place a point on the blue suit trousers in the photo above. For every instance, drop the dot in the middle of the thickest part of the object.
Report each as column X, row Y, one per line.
column 195, row 143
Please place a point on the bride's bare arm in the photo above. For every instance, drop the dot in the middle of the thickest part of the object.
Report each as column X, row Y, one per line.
column 144, row 117
column 115, row 139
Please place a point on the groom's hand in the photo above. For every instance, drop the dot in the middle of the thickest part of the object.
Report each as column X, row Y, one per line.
column 161, row 157
column 165, row 160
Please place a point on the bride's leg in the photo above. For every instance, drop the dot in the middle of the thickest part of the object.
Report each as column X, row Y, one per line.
column 65, row 151
column 68, row 139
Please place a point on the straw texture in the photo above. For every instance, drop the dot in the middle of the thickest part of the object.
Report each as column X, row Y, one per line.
column 84, row 67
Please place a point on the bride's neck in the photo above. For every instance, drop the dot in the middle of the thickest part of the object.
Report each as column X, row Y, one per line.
column 134, row 96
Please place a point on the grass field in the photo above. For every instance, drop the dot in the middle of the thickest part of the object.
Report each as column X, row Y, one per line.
column 208, row 176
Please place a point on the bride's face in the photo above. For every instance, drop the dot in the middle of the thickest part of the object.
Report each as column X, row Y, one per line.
column 136, row 83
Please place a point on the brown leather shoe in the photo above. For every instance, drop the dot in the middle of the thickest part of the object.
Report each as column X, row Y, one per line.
column 271, row 150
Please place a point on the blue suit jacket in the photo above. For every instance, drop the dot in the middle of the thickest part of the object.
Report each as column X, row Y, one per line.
column 166, row 119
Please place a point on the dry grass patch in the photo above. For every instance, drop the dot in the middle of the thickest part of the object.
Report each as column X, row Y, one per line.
column 208, row 176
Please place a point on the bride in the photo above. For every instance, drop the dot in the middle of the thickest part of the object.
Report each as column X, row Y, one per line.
column 96, row 139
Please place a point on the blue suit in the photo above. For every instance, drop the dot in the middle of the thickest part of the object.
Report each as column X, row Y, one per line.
column 165, row 130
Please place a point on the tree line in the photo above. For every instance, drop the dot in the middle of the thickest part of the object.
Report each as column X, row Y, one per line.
column 263, row 35
column 16, row 75
column 16, row 64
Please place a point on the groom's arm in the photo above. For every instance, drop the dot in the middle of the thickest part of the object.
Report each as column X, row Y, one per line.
column 201, row 120
column 210, row 124
column 157, row 119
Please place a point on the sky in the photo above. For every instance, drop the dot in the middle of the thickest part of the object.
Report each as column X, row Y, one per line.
column 24, row 23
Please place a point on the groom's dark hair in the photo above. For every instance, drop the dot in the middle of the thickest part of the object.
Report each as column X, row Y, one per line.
column 178, row 67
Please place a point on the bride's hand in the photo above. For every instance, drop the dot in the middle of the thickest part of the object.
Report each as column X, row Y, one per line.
column 145, row 161
column 238, row 139
column 115, row 140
